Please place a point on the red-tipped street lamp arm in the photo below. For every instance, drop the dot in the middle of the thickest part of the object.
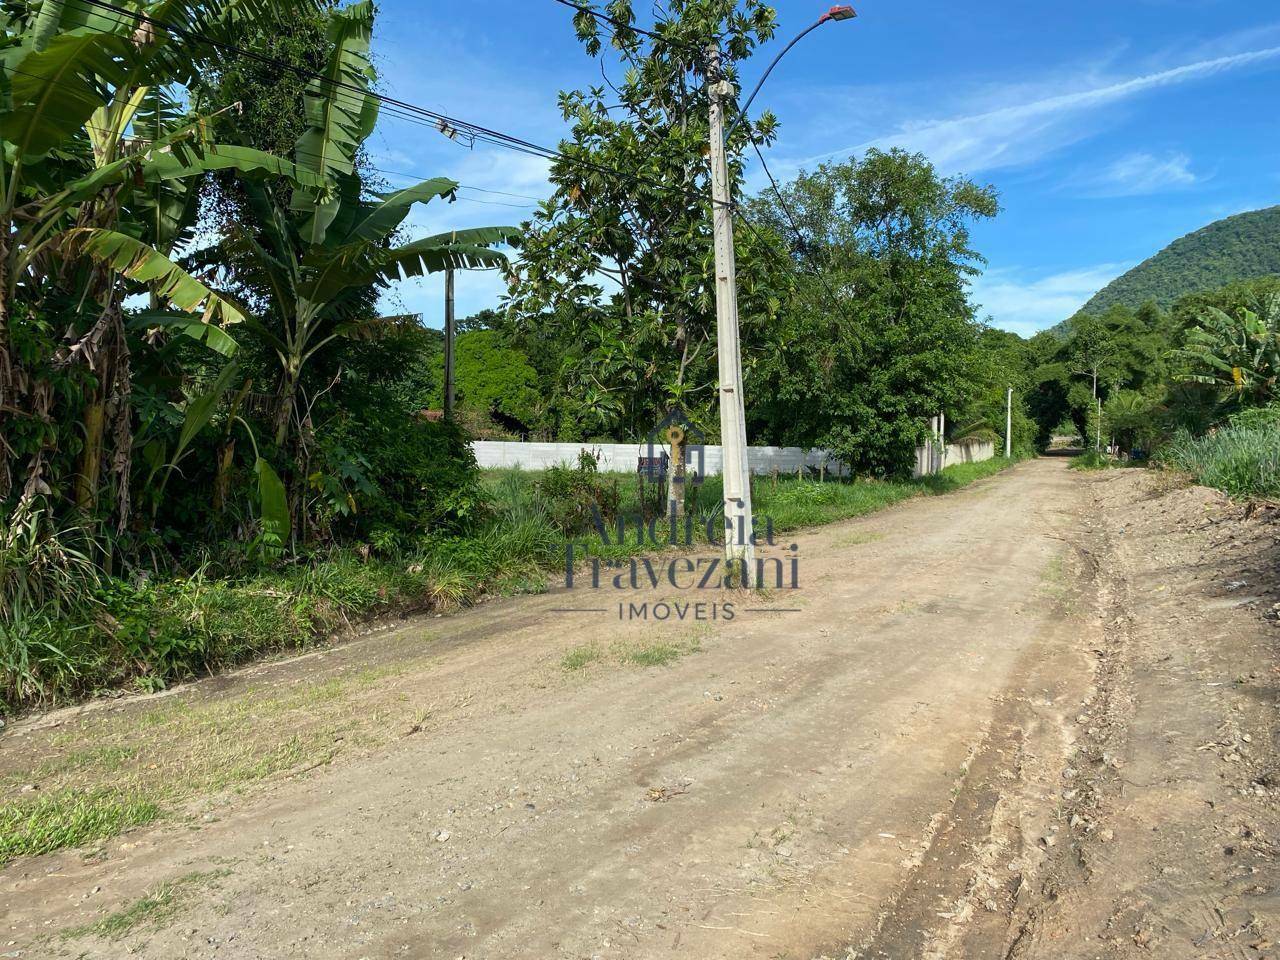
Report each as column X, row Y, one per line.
column 835, row 13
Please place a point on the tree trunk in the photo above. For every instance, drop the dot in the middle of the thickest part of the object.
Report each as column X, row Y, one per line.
column 284, row 410
column 222, row 481
column 118, row 411
column 7, row 398
column 677, row 477
column 92, row 420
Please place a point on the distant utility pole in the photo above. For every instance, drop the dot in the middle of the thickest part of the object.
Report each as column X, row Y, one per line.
column 1008, row 427
column 942, row 442
column 1098, row 444
column 449, row 333
column 738, row 526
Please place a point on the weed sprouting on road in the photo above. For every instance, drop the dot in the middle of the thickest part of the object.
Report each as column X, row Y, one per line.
column 580, row 657
column 649, row 653
column 661, row 653
column 152, row 911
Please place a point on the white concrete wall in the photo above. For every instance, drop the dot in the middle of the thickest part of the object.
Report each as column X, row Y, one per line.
column 625, row 457
column 927, row 456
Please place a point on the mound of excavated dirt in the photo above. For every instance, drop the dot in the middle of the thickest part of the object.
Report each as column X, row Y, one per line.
column 1171, row 802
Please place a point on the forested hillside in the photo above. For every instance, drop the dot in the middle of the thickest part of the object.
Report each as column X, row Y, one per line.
column 1242, row 247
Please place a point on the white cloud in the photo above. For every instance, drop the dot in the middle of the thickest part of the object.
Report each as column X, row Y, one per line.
column 1027, row 306
column 1137, row 174
column 1023, row 132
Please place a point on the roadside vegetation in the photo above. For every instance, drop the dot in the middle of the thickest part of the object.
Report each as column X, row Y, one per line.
column 1192, row 390
column 1241, row 458
column 69, row 818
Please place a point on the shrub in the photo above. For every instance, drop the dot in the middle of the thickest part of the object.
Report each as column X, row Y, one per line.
column 48, row 583
column 1091, row 460
column 1241, row 459
column 413, row 474
column 573, row 494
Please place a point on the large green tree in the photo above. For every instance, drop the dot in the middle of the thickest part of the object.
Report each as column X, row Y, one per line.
column 615, row 275
column 880, row 336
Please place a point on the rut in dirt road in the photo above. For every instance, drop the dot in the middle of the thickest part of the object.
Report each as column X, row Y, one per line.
column 780, row 791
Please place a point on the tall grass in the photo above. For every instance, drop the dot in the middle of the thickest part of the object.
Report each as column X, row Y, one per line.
column 48, row 599
column 1241, row 459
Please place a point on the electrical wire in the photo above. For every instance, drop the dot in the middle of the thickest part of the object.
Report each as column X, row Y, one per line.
column 477, row 131
column 421, row 115
column 801, row 245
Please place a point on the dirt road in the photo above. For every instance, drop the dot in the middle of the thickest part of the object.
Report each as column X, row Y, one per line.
column 925, row 756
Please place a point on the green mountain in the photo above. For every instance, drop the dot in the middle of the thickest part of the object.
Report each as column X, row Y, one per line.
column 1242, row 247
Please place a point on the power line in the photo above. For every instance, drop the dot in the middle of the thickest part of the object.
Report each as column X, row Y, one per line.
column 441, row 121
column 417, row 114
column 503, row 193
column 801, row 245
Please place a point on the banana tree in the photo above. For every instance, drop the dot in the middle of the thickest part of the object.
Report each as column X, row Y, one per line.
column 93, row 154
column 1240, row 353
column 322, row 255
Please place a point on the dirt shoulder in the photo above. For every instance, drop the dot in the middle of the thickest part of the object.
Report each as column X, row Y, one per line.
column 1169, row 809
column 923, row 751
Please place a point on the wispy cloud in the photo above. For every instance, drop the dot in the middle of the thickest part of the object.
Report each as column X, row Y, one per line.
column 1027, row 306
column 1138, row 174
column 1023, row 132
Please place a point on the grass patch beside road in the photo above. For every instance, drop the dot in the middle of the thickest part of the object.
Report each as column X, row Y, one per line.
column 580, row 657
column 1240, row 460
column 660, row 653
column 68, row 818
column 655, row 653
column 789, row 503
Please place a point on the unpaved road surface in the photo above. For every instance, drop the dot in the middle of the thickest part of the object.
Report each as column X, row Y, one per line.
column 1031, row 719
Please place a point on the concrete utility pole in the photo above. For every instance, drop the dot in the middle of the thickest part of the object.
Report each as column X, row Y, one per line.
column 1008, row 427
column 449, row 333
column 738, row 526
column 942, row 442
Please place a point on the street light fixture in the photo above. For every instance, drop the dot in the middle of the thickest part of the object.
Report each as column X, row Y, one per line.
column 739, row 545
column 833, row 15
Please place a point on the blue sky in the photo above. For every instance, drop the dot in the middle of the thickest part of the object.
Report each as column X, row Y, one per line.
column 1109, row 128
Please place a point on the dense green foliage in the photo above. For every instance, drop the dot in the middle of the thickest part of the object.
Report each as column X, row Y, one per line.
column 1241, row 458
column 494, row 380
column 154, row 426
column 882, row 337
column 1243, row 247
